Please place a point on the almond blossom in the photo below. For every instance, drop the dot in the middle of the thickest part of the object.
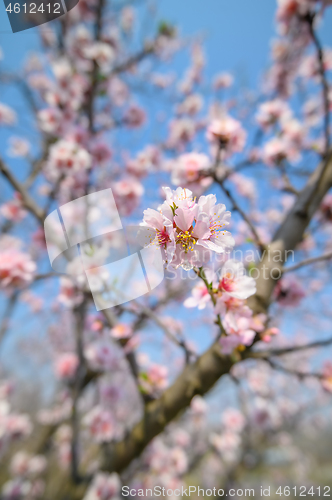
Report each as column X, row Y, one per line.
column 187, row 230
column 104, row 487
column 16, row 268
column 223, row 81
column 189, row 167
column 67, row 157
column 154, row 379
column 278, row 150
column 13, row 210
column 228, row 133
column 7, row 115
column 234, row 281
column 327, row 376
column 289, row 291
column 66, row 365
column 101, row 425
column 271, row 112
column 233, row 420
column 121, row 331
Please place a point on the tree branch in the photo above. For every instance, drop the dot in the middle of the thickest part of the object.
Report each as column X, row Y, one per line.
column 27, row 201
column 307, row 262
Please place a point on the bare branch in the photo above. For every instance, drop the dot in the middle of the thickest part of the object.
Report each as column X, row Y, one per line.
column 307, row 262
column 27, row 201
column 287, row 350
column 325, row 86
column 289, row 371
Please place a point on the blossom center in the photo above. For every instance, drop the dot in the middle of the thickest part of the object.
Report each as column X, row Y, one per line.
column 227, row 283
column 186, row 240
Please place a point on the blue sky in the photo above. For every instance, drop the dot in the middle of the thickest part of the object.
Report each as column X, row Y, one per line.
column 237, row 32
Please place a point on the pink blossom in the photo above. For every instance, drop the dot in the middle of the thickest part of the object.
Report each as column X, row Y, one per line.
column 200, row 297
column 66, row 365
column 104, row 487
column 271, row 112
column 181, row 131
column 234, row 282
column 227, row 444
column 229, row 133
column 69, row 295
column 17, row 425
column 223, row 81
column 117, row 91
column 101, row 153
column 127, row 194
column 225, row 302
column 326, row 208
column 7, row 115
column 294, row 132
column 229, row 343
column 24, row 464
column 240, row 327
column 101, row 424
column 289, row 291
column 101, row 52
column 310, row 66
column 16, row 268
column 162, row 80
column 191, row 105
column 67, row 157
column 13, row 210
column 269, row 333
column 100, row 355
column 121, row 331
column 233, row 420
column 188, row 230
column 198, row 406
column 18, row 147
column 145, row 161
column 327, row 376
column 134, row 116
column 127, row 19
column 155, row 379
column 50, row 120
column 277, row 150
column 189, row 167
column 289, row 10
column 245, row 186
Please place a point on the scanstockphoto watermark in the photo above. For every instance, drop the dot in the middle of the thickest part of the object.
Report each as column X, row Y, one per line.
column 267, row 264
column 160, row 491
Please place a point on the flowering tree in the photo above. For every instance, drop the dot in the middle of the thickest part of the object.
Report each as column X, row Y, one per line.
column 128, row 407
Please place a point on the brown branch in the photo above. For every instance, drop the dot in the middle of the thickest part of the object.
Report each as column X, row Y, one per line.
column 244, row 216
column 27, row 200
column 325, row 87
column 295, row 373
column 307, row 262
column 79, row 315
column 12, row 301
column 287, row 350
column 197, row 378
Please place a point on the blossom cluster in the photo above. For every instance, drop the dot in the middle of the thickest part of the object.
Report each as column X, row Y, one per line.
column 186, row 230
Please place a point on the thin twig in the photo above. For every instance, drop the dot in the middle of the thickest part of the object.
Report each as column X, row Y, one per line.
column 307, row 262
column 238, row 209
column 287, row 350
column 289, row 371
column 27, row 201
column 325, row 85
column 12, row 301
